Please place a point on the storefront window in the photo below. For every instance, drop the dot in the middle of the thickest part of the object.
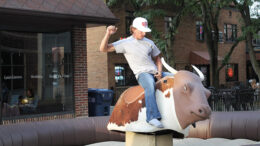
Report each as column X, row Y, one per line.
column 124, row 75
column 36, row 72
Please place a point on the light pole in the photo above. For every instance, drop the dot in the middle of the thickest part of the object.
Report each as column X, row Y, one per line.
column 1, row 93
column 1, row 98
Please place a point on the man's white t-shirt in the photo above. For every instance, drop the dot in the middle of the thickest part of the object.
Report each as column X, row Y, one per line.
column 138, row 54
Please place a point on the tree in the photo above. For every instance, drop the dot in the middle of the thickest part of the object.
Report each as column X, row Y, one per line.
column 152, row 9
column 210, row 10
column 250, row 29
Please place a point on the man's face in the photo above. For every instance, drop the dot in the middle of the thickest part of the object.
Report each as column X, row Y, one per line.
column 138, row 34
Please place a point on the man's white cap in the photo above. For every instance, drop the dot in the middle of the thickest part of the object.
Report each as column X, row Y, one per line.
column 141, row 24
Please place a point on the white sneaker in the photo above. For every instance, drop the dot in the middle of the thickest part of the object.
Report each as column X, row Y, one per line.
column 156, row 123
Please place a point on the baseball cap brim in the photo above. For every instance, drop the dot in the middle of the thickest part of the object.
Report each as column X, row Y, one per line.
column 144, row 29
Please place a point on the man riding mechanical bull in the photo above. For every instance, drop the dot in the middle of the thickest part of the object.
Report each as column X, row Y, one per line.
column 153, row 106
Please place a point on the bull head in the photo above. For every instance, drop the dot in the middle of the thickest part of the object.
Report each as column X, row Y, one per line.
column 188, row 88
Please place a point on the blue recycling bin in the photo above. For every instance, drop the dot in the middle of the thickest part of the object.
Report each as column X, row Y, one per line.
column 99, row 101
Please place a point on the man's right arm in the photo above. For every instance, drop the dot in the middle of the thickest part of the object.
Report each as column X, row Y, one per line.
column 104, row 46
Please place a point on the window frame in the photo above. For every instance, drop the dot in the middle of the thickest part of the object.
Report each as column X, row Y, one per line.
column 199, row 28
column 256, row 42
column 233, row 29
column 167, row 22
column 235, row 77
column 220, row 36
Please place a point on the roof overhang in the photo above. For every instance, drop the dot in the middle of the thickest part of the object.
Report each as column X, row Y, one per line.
column 201, row 57
column 20, row 16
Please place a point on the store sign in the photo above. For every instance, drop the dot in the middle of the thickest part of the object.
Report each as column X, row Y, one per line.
column 58, row 76
column 12, row 77
column 36, row 76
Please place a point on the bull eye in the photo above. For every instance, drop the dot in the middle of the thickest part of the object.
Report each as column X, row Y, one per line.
column 185, row 88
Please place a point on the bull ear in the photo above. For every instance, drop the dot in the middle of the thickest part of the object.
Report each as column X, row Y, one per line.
column 170, row 69
column 199, row 72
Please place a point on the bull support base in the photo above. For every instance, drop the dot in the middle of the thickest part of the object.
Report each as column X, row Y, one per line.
column 134, row 139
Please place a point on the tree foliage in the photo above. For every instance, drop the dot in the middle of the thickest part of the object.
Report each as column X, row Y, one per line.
column 250, row 29
column 208, row 11
column 151, row 9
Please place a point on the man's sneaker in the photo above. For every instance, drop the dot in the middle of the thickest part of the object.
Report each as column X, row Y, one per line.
column 156, row 123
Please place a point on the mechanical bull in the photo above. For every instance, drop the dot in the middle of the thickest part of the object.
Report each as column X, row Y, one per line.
column 181, row 100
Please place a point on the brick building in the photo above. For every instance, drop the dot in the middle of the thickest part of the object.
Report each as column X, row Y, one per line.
column 194, row 49
column 189, row 48
column 43, row 49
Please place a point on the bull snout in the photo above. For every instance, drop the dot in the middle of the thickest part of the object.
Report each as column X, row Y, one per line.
column 203, row 111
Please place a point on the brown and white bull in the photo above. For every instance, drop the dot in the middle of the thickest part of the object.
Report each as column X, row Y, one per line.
column 181, row 100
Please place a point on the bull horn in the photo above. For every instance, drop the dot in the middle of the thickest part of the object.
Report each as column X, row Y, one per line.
column 170, row 69
column 199, row 72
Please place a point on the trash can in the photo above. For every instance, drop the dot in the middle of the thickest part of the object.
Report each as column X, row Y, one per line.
column 99, row 101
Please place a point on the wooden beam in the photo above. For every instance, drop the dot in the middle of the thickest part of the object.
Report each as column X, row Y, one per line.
column 133, row 139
